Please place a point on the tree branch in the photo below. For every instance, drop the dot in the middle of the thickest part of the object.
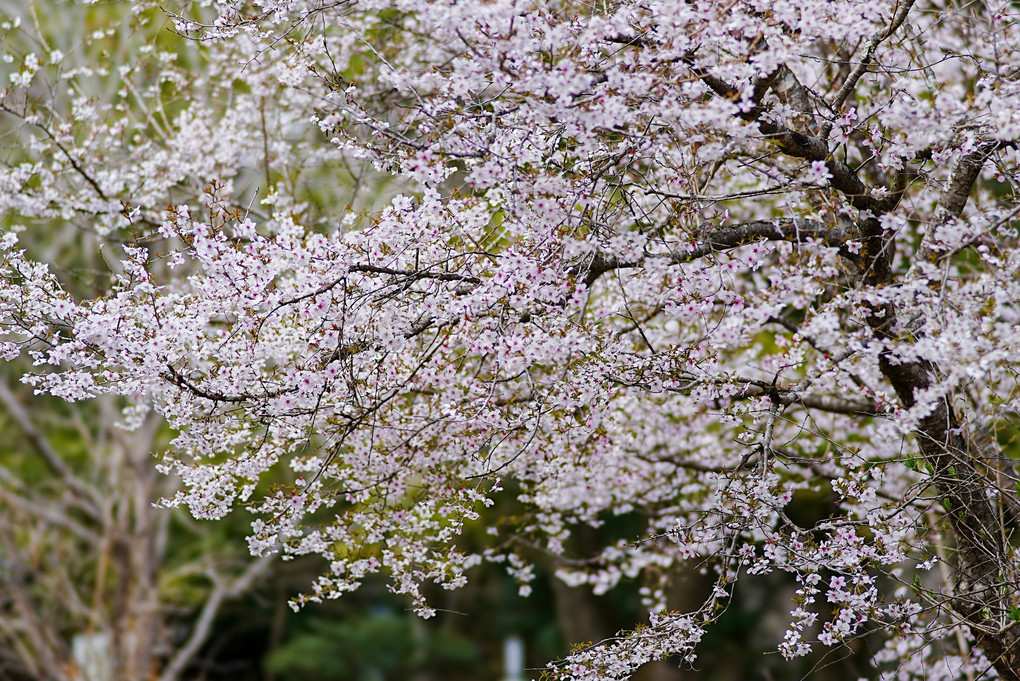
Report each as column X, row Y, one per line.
column 869, row 54
column 832, row 405
column 954, row 197
column 798, row 145
column 222, row 590
column 42, row 446
column 47, row 511
column 175, row 377
column 728, row 237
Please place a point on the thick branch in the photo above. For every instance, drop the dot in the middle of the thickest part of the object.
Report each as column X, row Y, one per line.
column 832, row 405
column 807, row 147
column 173, row 376
column 983, row 559
column 954, row 197
column 792, row 93
column 728, row 237
column 415, row 274
column 796, row 230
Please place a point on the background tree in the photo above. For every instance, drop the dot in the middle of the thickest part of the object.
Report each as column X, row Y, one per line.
column 691, row 261
column 91, row 587
column 96, row 582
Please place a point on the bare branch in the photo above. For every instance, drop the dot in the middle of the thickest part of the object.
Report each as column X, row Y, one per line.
column 42, row 446
column 222, row 590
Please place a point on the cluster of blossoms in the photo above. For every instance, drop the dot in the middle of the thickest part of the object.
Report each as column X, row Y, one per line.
column 690, row 261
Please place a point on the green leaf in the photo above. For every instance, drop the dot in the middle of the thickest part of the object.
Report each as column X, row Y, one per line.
column 1014, row 613
column 947, row 504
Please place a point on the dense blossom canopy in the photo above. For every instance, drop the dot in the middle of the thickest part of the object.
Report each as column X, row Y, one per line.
column 687, row 260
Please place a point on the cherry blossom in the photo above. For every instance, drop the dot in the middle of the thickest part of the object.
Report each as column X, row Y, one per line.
column 688, row 261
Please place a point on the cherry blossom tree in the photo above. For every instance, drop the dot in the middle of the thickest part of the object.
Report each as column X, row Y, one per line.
column 689, row 261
